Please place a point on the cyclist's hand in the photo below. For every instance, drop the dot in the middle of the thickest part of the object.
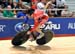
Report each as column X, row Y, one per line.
column 28, row 32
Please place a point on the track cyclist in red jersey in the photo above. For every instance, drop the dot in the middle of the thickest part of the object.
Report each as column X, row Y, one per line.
column 40, row 17
column 41, row 36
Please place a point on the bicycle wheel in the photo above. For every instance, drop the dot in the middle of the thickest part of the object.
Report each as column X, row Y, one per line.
column 20, row 38
column 48, row 35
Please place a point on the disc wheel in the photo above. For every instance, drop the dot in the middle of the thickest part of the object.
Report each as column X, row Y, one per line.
column 48, row 35
column 20, row 38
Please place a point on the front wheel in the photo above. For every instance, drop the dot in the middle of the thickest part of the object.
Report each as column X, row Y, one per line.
column 20, row 38
column 48, row 35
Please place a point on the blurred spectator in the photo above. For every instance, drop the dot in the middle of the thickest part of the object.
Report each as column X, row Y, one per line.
column 16, row 1
column 59, row 4
column 73, row 14
column 50, row 6
column 8, row 13
column 4, row 3
column 15, row 6
column 1, row 14
column 23, row 5
column 10, row 2
column 66, row 12
column 0, row 2
column 50, row 2
column 51, row 13
column 28, row 1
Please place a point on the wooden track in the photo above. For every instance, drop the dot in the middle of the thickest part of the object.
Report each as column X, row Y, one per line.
column 58, row 45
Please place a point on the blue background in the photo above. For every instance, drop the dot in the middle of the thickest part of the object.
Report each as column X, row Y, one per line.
column 9, row 30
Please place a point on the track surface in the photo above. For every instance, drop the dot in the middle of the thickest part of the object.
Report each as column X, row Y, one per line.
column 58, row 45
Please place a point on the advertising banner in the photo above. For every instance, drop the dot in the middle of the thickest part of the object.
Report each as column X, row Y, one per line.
column 8, row 27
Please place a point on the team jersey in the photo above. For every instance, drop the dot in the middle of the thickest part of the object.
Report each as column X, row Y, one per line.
column 39, row 14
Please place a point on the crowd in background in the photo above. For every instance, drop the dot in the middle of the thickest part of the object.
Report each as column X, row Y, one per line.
column 54, row 8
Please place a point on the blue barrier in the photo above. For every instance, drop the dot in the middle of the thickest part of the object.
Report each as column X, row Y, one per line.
column 58, row 25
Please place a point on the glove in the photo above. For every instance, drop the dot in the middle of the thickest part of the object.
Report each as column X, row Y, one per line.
column 28, row 32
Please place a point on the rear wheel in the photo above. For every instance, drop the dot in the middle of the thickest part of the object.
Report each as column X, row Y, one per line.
column 48, row 35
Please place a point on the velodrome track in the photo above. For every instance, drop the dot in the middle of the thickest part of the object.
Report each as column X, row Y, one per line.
column 58, row 45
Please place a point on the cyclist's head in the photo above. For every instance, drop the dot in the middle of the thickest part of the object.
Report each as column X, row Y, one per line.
column 30, row 11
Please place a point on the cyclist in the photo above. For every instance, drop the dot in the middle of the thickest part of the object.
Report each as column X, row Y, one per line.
column 40, row 17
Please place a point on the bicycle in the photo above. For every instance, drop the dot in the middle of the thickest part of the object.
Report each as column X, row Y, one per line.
column 22, row 36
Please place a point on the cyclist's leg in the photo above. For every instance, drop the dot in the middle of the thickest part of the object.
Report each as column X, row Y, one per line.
column 44, row 20
column 36, row 23
column 39, row 31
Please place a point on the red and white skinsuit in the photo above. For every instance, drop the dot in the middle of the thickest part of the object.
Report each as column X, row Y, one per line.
column 40, row 17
